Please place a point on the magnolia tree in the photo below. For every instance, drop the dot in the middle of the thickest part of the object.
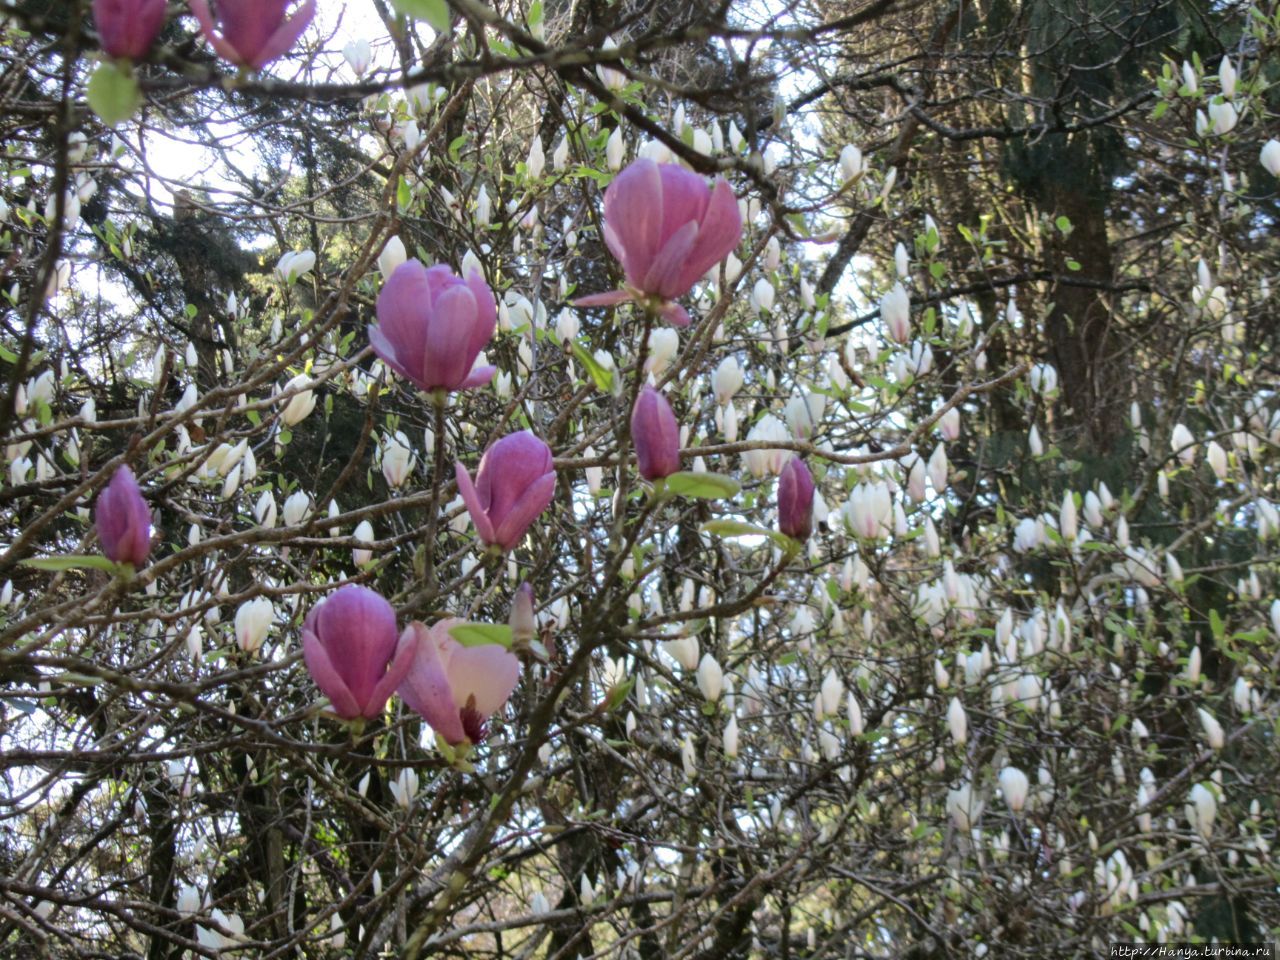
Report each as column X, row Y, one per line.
column 637, row 480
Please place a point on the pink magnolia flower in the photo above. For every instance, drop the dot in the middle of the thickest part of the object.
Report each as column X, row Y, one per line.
column 656, row 435
column 456, row 688
column 667, row 228
column 350, row 647
column 123, row 520
column 795, row 500
column 515, row 483
column 432, row 326
column 254, row 32
column 127, row 28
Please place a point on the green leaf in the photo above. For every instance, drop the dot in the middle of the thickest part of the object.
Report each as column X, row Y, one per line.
column 113, row 94
column 482, row 634
column 602, row 378
column 1216, row 625
column 737, row 528
column 704, row 486
column 618, row 695
column 404, row 195
column 435, row 12
column 71, row 562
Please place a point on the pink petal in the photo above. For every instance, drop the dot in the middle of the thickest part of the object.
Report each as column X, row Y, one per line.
column 475, row 507
column 489, row 673
column 685, row 195
column 478, row 377
column 507, row 470
column 485, row 321
column 633, row 207
column 327, row 678
column 357, row 628
column 674, row 314
column 668, row 267
column 447, row 359
column 607, row 299
column 718, row 234
column 426, row 686
column 286, row 35
column 403, row 307
column 536, row 498
column 386, row 352
column 397, row 670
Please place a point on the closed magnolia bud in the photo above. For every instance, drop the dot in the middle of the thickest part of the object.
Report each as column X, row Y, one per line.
column 123, row 520
column 727, row 380
column 300, row 405
column 296, row 508
column 1270, row 157
column 895, row 311
column 710, row 678
column 1202, row 810
column 957, row 721
column 1217, row 459
column 392, row 255
column 364, row 534
column 1182, row 443
column 656, row 435
column 523, row 620
column 1213, row 733
column 253, row 620
column 795, row 500
column 1014, row 786
column 854, row 716
column 731, row 737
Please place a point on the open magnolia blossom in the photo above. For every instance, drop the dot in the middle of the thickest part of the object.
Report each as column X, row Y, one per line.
column 432, row 326
column 127, row 28
column 252, row 33
column 353, row 651
column 456, row 688
column 667, row 228
column 514, row 484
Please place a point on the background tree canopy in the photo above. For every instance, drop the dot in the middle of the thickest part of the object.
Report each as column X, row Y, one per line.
column 1005, row 287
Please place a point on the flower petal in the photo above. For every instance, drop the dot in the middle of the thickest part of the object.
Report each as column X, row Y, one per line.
column 633, row 206
column 667, row 270
column 397, row 670
column 536, row 498
column 475, row 507
column 718, row 234
column 425, row 687
column 286, row 35
column 607, row 299
column 489, row 673
column 327, row 677
column 478, row 377
column 448, row 359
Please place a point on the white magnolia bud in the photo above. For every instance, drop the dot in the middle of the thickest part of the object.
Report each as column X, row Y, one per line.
column 1014, row 785
column 731, row 737
column 1213, row 733
column 297, row 506
column 300, row 405
column 392, row 255
column 364, row 534
column 957, row 721
column 710, row 678
column 895, row 311
column 253, row 620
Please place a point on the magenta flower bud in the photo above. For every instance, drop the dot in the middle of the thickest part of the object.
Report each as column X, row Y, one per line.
column 523, row 622
column 123, row 520
column 456, row 688
column 350, row 646
column 515, row 483
column 254, row 32
column 432, row 326
column 795, row 500
column 656, row 435
column 667, row 228
column 127, row 28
